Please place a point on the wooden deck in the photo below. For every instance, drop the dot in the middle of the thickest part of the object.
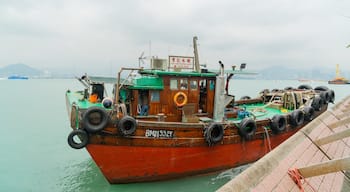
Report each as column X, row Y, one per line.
column 324, row 142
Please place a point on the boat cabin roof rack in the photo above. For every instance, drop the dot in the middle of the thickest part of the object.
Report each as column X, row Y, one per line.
column 118, row 85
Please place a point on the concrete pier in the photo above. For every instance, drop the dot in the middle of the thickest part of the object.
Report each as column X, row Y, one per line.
column 314, row 159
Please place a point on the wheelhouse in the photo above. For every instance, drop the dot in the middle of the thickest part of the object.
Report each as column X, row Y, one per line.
column 169, row 94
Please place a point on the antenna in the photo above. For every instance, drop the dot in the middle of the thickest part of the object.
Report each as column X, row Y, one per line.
column 142, row 58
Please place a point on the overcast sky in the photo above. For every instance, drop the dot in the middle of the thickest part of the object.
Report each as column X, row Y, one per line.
column 101, row 36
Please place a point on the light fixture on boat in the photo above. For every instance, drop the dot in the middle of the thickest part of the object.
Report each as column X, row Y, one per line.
column 243, row 65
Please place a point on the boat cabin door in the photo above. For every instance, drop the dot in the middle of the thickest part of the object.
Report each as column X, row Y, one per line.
column 203, row 95
column 206, row 95
column 143, row 103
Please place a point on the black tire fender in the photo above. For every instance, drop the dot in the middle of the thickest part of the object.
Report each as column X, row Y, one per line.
column 321, row 88
column 83, row 136
column 305, row 87
column 247, row 128
column 325, row 96
column 245, row 97
column 317, row 103
column 127, row 126
column 309, row 113
column 214, row 133
column 331, row 96
column 278, row 123
column 297, row 118
column 288, row 88
column 95, row 119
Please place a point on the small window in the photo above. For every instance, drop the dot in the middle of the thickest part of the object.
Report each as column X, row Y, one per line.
column 155, row 96
column 211, row 85
column 183, row 84
column 173, row 84
column 194, row 85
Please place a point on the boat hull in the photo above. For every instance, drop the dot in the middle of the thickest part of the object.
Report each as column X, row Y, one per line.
column 175, row 141
column 125, row 164
column 160, row 150
column 338, row 82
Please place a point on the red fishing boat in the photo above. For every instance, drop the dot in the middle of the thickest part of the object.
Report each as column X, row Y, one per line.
column 176, row 119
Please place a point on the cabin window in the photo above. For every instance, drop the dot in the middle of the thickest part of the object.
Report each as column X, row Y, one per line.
column 193, row 85
column 173, row 84
column 183, row 84
column 155, row 96
column 211, row 85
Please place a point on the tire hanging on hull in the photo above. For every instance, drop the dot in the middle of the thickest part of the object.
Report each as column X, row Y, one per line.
column 297, row 118
column 278, row 123
column 247, row 128
column 309, row 113
column 331, row 96
column 317, row 103
column 127, row 126
column 83, row 136
column 95, row 119
column 214, row 133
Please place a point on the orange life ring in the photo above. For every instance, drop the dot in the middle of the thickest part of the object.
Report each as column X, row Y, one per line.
column 183, row 101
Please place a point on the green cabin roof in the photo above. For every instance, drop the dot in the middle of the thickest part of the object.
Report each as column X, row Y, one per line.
column 178, row 73
column 147, row 82
column 152, row 79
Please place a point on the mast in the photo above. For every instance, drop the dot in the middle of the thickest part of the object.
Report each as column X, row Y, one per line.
column 196, row 59
column 337, row 71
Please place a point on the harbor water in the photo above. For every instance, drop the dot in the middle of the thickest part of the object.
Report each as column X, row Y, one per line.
column 35, row 155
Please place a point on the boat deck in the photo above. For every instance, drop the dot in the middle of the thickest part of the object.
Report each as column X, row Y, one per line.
column 325, row 140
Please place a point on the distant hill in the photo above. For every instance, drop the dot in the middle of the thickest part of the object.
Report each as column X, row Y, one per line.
column 19, row 69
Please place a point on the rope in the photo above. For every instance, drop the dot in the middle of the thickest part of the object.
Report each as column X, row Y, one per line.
column 267, row 138
column 121, row 108
column 297, row 177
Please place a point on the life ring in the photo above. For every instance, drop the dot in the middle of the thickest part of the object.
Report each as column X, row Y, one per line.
column 247, row 128
column 309, row 113
column 95, row 119
column 317, row 103
column 83, row 136
column 214, row 133
column 183, row 101
column 297, row 118
column 278, row 123
column 127, row 126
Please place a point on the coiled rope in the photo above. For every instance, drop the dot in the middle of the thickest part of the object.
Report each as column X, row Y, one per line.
column 297, row 177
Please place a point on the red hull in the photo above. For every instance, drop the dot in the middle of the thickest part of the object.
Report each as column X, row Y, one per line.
column 125, row 164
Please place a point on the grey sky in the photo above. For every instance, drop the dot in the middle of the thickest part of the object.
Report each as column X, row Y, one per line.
column 101, row 36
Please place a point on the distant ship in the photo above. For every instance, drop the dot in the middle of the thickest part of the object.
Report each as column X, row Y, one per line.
column 17, row 77
column 338, row 79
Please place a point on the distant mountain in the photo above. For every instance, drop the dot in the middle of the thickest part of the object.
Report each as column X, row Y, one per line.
column 19, row 69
